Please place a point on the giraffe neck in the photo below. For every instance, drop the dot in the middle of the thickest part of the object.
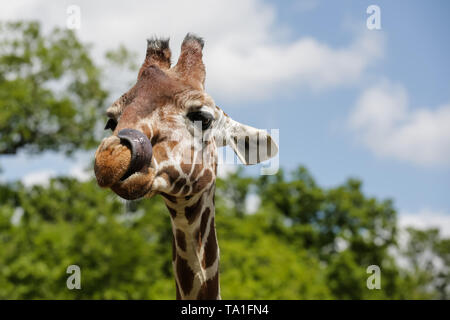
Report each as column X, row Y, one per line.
column 195, row 251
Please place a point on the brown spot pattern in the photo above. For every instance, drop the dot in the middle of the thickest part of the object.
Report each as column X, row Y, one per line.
column 172, row 211
column 170, row 174
column 204, row 221
column 210, row 289
column 196, row 171
column 178, row 291
column 181, row 239
column 185, row 275
column 169, row 197
column 172, row 144
column 210, row 253
column 198, row 236
column 178, row 185
column 203, row 181
column 174, row 253
column 193, row 211
column 186, row 167
column 160, row 153
column 185, row 190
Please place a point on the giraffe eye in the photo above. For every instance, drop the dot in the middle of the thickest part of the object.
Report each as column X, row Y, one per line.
column 111, row 124
column 205, row 117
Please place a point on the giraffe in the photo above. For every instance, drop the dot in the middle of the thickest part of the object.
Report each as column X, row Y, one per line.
column 165, row 134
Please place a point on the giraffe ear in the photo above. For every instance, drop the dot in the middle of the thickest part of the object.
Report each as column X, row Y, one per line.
column 251, row 145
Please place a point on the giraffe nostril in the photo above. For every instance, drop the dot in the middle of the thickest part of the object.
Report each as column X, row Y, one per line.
column 141, row 150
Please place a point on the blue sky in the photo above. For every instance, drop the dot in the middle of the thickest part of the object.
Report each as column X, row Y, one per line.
column 349, row 102
column 313, row 125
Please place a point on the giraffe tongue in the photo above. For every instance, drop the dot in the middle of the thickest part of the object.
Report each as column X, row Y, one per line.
column 141, row 150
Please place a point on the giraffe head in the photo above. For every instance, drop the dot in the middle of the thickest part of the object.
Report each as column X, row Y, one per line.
column 166, row 130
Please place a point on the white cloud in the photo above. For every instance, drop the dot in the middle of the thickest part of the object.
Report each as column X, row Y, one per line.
column 247, row 55
column 384, row 122
column 270, row 66
column 17, row 216
column 426, row 219
column 223, row 170
column 80, row 172
column 38, row 177
column 252, row 203
column 341, row 244
column 42, row 177
column 421, row 220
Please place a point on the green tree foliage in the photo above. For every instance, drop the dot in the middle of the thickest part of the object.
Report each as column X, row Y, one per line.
column 121, row 254
column 428, row 257
column 50, row 91
column 124, row 249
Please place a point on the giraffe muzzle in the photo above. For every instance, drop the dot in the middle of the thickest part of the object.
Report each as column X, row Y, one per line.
column 141, row 150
